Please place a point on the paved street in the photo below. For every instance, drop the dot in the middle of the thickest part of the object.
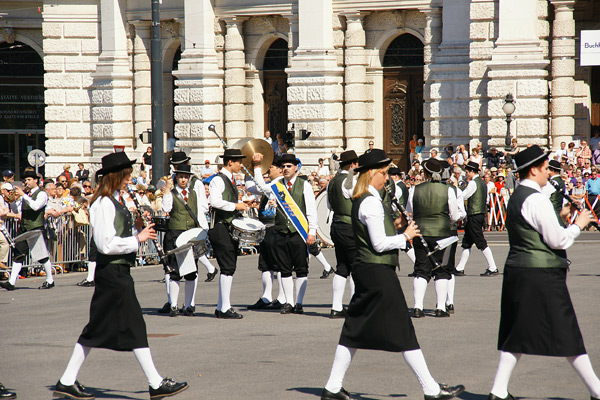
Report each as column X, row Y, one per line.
column 271, row 356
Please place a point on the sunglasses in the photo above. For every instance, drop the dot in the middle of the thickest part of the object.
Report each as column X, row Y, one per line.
column 86, row 186
column 288, row 166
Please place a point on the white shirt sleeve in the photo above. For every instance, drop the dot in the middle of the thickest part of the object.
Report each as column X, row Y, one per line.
column 259, row 187
column 167, row 202
column 217, row 187
column 460, row 203
column 470, row 189
column 372, row 215
column 453, row 205
column 38, row 203
column 102, row 215
column 311, row 209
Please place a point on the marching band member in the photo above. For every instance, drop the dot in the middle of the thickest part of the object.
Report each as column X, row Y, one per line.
column 33, row 207
column 342, row 234
column 475, row 195
column 537, row 316
column 225, row 206
column 116, row 320
column 434, row 208
column 556, row 197
column 402, row 194
column 377, row 317
column 290, row 249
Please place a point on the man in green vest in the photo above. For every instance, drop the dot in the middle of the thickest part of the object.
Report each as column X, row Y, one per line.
column 536, row 315
column 225, row 208
column 475, row 194
column 556, row 194
column 33, row 207
column 291, row 251
column 402, row 194
column 434, row 208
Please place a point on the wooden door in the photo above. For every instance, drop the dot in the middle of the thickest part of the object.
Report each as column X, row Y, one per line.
column 276, row 105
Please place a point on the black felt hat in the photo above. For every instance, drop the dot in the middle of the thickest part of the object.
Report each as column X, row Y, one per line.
column 530, row 155
column 288, row 158
column 348, row 157
column 30, row 174
column 472, row 166
column 183, row 169
column 376, row 158
column 395, row 171
column 432, row 165
column 233, row 153
column 179, row 157
column 114, row 162
column 555, row 165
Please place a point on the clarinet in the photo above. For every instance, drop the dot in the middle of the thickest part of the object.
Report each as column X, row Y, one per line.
column 146, row 221
column 9, row 239
column 436, row 264
column 572, row 201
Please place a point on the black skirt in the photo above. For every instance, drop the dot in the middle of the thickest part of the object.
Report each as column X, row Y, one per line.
column 116, row 320
column 377, row 317
column 537, row 316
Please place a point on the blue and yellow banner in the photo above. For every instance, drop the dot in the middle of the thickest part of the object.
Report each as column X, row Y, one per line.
column 291, row 209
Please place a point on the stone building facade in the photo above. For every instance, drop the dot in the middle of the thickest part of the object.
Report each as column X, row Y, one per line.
column 347, row 71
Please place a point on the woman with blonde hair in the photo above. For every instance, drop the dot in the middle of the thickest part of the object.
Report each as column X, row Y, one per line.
column 377, row 317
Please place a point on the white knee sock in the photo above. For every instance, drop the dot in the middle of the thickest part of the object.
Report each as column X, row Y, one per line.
column 339, row 286
column 464, row 257
column 193, row 300
column 341, row 362
column 225, row 282
column 281, row 292
column 48, row 269
column 301, row 284
column 411, row 255
column 451, row 285
column 190, row 288
column 77, row 358
column 167, row 280
column 352, row 286
column 91, row 271
column 144, row 358
column 441, row 291
column 416, row 362
column 489, row 257
column 14, row 272
column 288, row 290
column 506, row 365
column 583, row 366
column 207, row 264
column 321, row 258
column 267, row 281
column 419, row 288
column 174, row 292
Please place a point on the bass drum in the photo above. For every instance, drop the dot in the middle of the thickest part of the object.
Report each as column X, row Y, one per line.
column 196, row 235
column 325, row 217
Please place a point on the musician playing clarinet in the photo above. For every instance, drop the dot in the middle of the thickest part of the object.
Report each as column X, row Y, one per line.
column 536, row 315
column 116, row 320
column 377, row 317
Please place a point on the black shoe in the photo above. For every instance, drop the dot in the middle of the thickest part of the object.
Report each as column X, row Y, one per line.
column 459, row 273
column 337, row 314
column 450, row 308
column 447, row 392
column 276, row 305
column 287, row 308
column 174, row 312
column 418, row 313
column 298, row 309
column 210, row 277
column 76, row 391
column 341, row 395
column 510, row 397
column 259, row 305
column 47, row 285
column 229, row 314
column 327, row 273
column 412, row 275
column 5, row 394
column 168, row 387
column 441, row 313
column 188, row 312
column 7, row 285
column 165, row 308
column 490, row 273
column 86, row 283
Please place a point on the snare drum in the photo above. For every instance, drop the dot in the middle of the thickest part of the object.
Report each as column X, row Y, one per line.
column 196, row 235
column 248, row 230
column 161, row 223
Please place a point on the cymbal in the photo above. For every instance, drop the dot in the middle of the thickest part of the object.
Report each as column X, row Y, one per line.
column 250, row 147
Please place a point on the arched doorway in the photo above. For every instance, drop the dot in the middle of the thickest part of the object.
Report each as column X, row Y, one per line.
column 21, row 105
column 402, row 97
column 275, row 88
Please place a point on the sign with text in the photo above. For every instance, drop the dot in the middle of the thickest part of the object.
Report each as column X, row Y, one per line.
column 590, row 48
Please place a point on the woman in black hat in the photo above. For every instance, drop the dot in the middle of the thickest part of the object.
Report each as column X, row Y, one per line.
column 116, row 320
column 537, row 316
column 377, row 317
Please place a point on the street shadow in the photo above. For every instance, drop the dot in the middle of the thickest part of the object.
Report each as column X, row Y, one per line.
column 473, row 396
column 355, row 395
column 102, row 393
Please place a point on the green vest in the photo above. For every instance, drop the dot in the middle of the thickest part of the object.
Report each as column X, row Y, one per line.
column 263, row 205
column 527, row 247
column 404, row 189
column 230, row 194
column 430, row 209
column 180, row 219
column 365, row 252
column 453, row 225
column 342, row 207
column 282, row 222
column 557, row 198
column 123, row 228
column 32, row 219
column 477, row 203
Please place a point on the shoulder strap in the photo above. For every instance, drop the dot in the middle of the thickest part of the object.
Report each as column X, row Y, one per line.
column 189, row 210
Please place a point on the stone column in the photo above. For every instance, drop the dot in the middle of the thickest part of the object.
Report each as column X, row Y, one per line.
column 141, row 79
column 355, row 79
column 235, row 81
column 199, row 93
column 563, row 72
column 433, row 38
